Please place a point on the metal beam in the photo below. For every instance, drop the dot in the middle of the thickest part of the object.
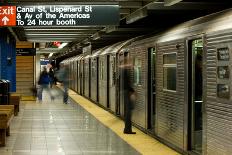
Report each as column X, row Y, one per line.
column 54, row 34
column 186, row 6
column 124, row 11
column 130, row 4
column 61, row 32
column 171, row 2
column 137, row 15
column 109, row 29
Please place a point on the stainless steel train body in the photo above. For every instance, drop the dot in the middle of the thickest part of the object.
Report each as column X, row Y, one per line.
column 108, row 62
column 183, row 82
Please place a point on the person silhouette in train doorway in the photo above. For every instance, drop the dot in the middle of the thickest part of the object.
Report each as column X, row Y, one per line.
column 128, row 94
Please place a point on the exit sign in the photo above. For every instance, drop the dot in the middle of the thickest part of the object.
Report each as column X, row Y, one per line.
column 7, row 15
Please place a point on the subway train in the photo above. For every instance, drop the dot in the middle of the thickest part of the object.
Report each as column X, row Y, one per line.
column 182, row 78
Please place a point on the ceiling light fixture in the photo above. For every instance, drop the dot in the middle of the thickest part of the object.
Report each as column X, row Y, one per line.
column 50, row 55
column 63, row 45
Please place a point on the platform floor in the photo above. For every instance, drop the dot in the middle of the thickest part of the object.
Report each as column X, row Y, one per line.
column 78, row 128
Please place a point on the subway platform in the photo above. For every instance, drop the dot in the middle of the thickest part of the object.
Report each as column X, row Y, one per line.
column 78, row 128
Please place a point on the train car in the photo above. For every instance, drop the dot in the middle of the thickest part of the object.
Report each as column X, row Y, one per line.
column 183, row 82
column 184, row 98
column 107, row 80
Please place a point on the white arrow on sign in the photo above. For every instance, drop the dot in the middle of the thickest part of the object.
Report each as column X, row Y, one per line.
column 5, row 20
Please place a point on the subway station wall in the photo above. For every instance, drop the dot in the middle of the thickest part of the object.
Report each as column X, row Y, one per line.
column 8, row 58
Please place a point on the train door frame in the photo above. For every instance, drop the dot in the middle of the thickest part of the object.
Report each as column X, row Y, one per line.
column 73, row 75
column 108, row 81
column 151, row 88
column 97, row 59
column 117, row 63
column 120, row 99
column 78, row 76
column 83, row 76
column 90, row 78
column 191, row 93
column 76, row 86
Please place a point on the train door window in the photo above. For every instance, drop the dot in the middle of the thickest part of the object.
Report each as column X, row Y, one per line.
column 195, row 94
column 137, row 71
column 169, row 71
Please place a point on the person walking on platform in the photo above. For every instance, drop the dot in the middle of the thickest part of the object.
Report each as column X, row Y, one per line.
column 63, row 76
column 52, row 77
column 44, row 81
column 128, row 95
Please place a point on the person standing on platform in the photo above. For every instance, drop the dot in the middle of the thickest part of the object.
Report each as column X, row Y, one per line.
column 128, row 94
column 63, row 76
column 44, row 81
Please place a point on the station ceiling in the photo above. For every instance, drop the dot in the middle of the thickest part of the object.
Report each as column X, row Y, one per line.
column 137, row 17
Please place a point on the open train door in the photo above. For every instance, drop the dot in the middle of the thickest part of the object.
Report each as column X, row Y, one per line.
column 195, row 90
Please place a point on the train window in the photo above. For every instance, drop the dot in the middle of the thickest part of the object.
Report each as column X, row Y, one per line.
column 170, row 58
column 169, row 71
column 137, row 71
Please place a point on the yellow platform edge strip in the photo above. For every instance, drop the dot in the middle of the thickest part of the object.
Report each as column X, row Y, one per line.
column 142, row 142
column 28, row 98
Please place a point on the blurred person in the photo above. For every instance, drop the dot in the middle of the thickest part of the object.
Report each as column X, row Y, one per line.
column 52, row 77
column 63, row 77
column 44, row 81
column 128, row 94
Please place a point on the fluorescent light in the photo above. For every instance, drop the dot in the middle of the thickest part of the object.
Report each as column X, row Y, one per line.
column 50, row 55
column 62, row 45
